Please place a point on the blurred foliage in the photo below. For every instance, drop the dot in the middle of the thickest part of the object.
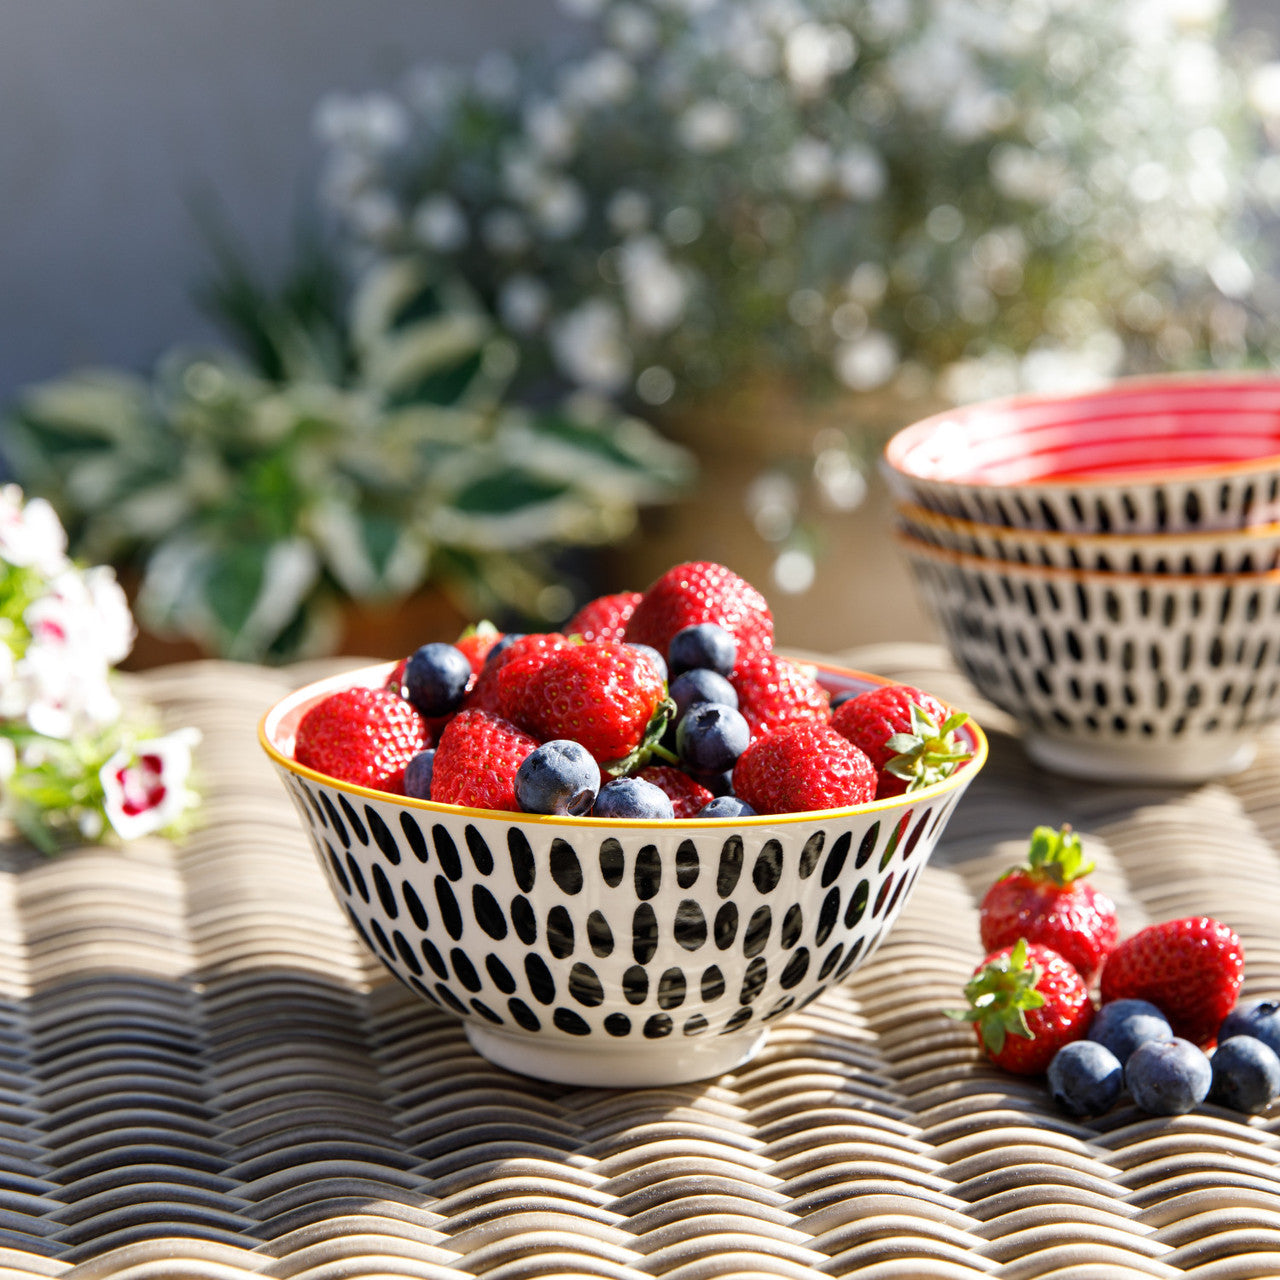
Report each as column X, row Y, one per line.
column 345, row 450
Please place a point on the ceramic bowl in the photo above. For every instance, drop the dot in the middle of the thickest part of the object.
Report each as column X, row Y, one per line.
column 602, row 952
column 1166, row 455
column 1230, row 551
column 1120, row 677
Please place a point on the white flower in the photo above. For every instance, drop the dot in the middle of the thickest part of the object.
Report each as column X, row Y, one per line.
column 632, row 28
column 814, row 53
column 654, row 289
column 559, row 207
column 79, row 629
column 867, row 362
column 550, row 129
column 1264, row 90
column 112, row 622
column 374, row 215
column 604, row 79
column 373, row 122
column 808, row 167
column 145, row 789
column 861, row 173
column 523, row 303
column 440, row 224
column 590, row 348
column 433, row 90
column 62, row 696
column 8, row 759
column 31, row 535
column 627, row 212
column 708, row 126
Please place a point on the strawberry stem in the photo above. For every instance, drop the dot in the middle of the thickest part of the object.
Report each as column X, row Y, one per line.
column 1057, row 856
column 999, row 995
column 930, row 751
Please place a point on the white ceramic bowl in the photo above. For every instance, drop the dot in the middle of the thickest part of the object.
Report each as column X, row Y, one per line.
column 1229, row 551
column 1158, row 455
column 1120, row 677
column 603, row 952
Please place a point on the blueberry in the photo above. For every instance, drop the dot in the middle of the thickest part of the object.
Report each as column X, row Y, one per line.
column 1122, row 1025
column 1168, row 1077
column 417, row 775
column 701, row 685
column 1085, row 1078
column 560, row 776
column 436, row 678
column 1260, row 1019
column 632, row 798
column 726, row 807
column 702, row 645
column 711, row 737
column 656, row 660
column 719, row 784
column 1246, row 1074
column 503, row 645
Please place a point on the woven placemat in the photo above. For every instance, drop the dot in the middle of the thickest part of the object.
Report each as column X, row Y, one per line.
column 202, row 1074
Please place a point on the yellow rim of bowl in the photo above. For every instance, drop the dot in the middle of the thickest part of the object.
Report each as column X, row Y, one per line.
column 365, row 675
column 1122, row 386
column 916, row 546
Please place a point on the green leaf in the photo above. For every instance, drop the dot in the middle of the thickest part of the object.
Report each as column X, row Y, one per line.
column 503, row 491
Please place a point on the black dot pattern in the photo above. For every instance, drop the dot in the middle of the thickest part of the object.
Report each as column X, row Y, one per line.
column 1178, row 505
column 699, row 933
column 1119, row 661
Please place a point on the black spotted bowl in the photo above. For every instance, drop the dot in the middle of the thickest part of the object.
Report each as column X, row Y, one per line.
column 603, row 952
column 1117, row 677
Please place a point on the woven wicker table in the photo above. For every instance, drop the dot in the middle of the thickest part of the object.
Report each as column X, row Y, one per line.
column 203, row 1075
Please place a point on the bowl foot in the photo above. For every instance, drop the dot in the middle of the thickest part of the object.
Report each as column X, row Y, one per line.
column 615, row 1065
column 1157, row 762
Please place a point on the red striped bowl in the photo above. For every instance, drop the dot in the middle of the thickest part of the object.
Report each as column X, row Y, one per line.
column 1157, row 455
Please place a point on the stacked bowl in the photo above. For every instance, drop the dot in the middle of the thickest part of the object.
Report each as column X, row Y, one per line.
column 1105, row 567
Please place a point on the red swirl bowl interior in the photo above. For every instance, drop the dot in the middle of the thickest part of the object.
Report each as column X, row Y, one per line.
column 1147, row 455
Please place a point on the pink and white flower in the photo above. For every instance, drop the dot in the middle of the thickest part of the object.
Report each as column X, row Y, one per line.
column 145, row 787
column 31, row 535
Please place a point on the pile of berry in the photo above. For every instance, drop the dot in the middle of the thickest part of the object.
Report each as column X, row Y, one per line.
column 669, row 703
column 1166, row 1029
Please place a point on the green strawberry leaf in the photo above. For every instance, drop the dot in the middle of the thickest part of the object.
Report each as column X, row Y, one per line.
column 1057, row 856
column 999, row 996
column 649, row 745
column 930, row 752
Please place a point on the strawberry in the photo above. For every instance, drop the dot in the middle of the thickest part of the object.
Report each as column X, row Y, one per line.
column 502, row 675
column 801, row 767
column 604, row 618
column 1190, row 969
column 476, row 642
column 363, row 736
column 1048, row 900
column 701, row 591
column 1025, row 1003
column 687, row 795
column 774, row 691
column 476, row 762
column 602, row 694
column 909, row 735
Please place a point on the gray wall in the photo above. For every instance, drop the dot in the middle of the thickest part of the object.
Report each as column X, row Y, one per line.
column 115, row 114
